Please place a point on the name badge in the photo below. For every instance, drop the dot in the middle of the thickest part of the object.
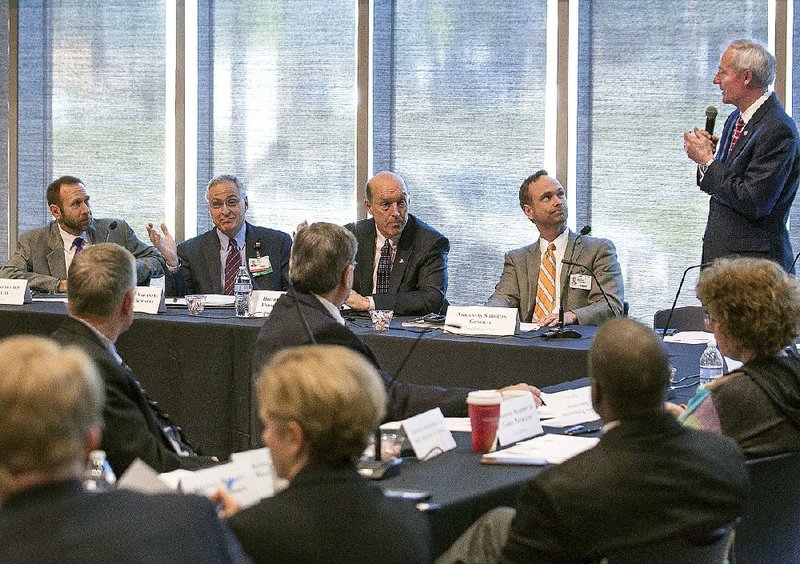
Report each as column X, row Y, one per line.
column 262, row 302
column 580, row 281
column 149, row 300
column 14, row 292
column 259, row 266
column 518, row 419
column 428, row 434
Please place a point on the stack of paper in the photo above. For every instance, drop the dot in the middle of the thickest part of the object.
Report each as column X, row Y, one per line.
column 541, row 450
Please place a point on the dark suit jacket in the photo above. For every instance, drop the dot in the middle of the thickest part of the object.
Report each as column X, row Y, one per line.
column 283, row 328
column 59, row 522
column 418, row 282
column 331, row 514
column 647, row 480
column 752, row 190
column 201, row 270
column 40, row 254
column 518, row 283
column 133, row 426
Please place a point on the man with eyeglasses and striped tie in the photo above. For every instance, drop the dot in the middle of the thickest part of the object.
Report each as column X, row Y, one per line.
column 535, row 277
column 208, row 263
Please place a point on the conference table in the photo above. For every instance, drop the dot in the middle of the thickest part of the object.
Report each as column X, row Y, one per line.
column 199, row 367
column 199, row 370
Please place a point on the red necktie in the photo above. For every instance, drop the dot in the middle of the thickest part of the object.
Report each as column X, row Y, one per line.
column 737, row 131
column 232, row 264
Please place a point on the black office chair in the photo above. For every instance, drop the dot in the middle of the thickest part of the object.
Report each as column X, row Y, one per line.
column 687, row 318
column 709, row 549
column 770, row 527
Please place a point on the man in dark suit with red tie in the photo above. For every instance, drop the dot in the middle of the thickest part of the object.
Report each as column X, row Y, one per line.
column 754, row 176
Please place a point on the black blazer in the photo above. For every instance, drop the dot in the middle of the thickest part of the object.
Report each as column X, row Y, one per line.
column 133, row 426
column 59, row 522
column 753, row 188
column 331, row 514
column 201, row 271
column 283, row 328
column 647, row 480
column 418, row 282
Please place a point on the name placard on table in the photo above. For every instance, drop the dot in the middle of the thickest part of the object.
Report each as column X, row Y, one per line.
column 428, row 434
column 149, row 300
column 481, row 320
column 14, row 292
column 262, row 302
column 519, row 420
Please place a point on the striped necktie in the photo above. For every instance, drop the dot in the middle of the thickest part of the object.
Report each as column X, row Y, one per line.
column 546, row 287
column 232, row 264
column 737, row 131
column 384, row 269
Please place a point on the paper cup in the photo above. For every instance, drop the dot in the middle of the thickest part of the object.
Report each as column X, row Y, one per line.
column 484, row 415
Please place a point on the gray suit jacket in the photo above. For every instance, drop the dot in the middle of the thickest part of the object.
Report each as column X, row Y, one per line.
column 40, row 254
column 517, row 285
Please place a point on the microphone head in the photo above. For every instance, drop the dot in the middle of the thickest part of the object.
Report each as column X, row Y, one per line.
column 711, row 112
column 113, row 225
column 586, row 230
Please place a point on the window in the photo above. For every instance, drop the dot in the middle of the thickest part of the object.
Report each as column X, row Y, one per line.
column 277, row 108
column 91, row 104
column 645, row 76
column 459, row 113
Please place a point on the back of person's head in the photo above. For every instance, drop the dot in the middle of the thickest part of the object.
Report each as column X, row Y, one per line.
column 333, row 393
column 54, row 188
column 754, row 301
column 631, row 368
column 320, row 253
column 50, row 398
column 753, row 56
column 99, row 278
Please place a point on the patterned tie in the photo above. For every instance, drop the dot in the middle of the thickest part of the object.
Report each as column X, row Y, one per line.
column 737, row 131
column 546, row 287
column 232, row 264
column 384, row 269
column 78, row 244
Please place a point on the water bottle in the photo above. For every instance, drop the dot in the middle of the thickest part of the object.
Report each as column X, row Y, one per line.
column 98, row 477
column 242, row 288
column 710, row 363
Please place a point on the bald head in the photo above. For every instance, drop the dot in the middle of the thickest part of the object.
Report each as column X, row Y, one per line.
column 630, row 370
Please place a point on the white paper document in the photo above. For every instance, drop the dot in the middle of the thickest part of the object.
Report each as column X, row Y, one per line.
column 689, row 337
column 545, row 449
column 569, row 407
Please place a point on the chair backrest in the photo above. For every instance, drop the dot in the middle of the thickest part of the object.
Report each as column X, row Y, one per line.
column 770, row 527
column 687, row 318
column 710, row 549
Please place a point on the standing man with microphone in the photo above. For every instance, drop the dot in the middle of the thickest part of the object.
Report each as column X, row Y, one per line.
column 753, row 178
column 536, row 276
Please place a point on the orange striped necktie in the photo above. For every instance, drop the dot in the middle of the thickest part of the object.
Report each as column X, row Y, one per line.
column 546, row 287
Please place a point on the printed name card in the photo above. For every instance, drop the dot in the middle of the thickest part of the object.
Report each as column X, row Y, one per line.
column 479, row 320
column 14, row 292
column 518, row 420
column 149, row 300
column 428, row 434
column 262, row 302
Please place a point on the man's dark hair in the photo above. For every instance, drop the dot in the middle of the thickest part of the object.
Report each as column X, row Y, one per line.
column 630, row 367
column 54, row 188
column 524, row 196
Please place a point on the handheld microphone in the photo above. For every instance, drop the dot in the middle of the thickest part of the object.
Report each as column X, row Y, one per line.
column 678, row 293
column 711, row 119
column 111, row 227
column 596, row 281
column 560, row 333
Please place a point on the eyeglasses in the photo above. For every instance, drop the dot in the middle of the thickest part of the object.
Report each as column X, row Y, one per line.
column 231, row 203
